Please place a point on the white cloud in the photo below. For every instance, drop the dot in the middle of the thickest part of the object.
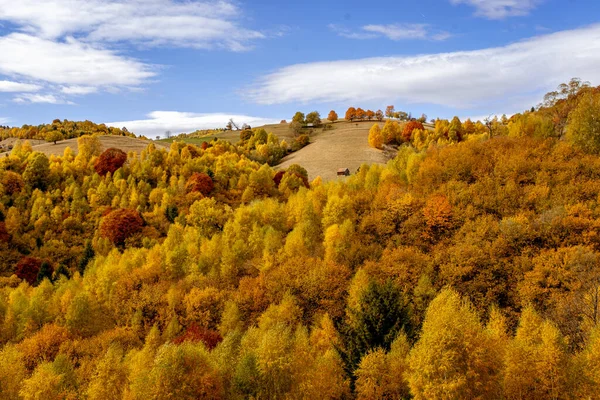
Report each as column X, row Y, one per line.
column 10, row 86
column 68, row 63
column 158, row 122
column 78, row 90
column 198, row 24
column 516, row 73
column 40, row 98
column 500, row 9
column 393, row 32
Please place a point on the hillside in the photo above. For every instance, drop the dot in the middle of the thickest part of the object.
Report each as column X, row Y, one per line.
column 467, row 267
column 345, row 146
column 124, row 143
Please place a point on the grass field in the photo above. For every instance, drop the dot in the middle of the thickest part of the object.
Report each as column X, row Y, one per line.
column 124, row 143
column 344, row 146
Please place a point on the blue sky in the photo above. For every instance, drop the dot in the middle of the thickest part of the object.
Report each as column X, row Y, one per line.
column 157, row 65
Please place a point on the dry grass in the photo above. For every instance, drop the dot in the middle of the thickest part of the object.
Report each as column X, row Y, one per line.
column 345, row 146
column 11, row 141
column 124, row 143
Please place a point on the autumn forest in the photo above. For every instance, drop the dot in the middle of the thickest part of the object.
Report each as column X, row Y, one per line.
column 468, row 267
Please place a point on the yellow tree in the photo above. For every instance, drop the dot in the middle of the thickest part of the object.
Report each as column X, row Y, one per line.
column 391, row 131
column 536, row 360
column 88, row 147
column 452, row 359
column 110, row 377
column 381, row 375
column 12, row 372
column 584, row 125
column 54, row 136
column 375, row 137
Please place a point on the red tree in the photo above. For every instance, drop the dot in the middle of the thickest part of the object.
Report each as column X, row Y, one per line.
column 193, row 150
column 109, row 161
column 196, row 334
column 4, row 236
column 389, row 111
column 200, row 182
column 360, row 113
column 332, row 116
column 120, row 225
column 351, row 114
column 409, row 128
column 28, row 268
column 277, row 178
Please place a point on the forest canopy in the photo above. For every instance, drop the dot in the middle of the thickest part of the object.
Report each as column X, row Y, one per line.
column 467, row 267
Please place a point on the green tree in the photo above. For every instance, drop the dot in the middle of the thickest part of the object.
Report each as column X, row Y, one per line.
column 381, row 314
column 313, row 118
column 299, row 118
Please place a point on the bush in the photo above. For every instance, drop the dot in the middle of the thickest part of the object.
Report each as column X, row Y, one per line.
column 200, row 182
column 109, row 161
column 119, row 225
column 296, row 127
column 300, row 142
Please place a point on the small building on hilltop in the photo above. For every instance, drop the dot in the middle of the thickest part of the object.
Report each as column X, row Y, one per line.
column 343, row 172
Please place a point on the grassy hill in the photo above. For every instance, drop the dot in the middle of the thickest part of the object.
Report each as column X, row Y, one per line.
column 124, row 143
column 343, row 144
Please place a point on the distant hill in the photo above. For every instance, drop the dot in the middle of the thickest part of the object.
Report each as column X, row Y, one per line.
column 124, row 143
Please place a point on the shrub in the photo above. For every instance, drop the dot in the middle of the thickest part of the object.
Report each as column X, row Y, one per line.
column 296, row 127
column 119, row 225
column 200, row 182
column 300, row 142
column 109, row 161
